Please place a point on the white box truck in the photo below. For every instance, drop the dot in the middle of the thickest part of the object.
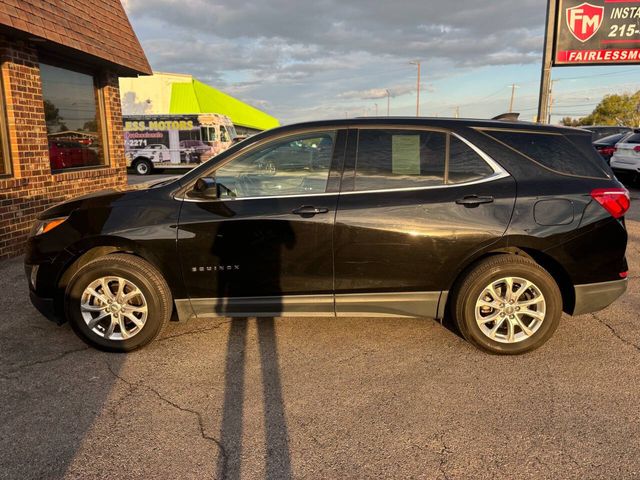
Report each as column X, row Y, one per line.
column 174, row 141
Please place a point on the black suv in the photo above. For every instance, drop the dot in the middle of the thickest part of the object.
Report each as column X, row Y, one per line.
column 499, row 226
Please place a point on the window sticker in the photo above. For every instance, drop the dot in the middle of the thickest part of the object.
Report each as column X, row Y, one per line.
column 405, row 154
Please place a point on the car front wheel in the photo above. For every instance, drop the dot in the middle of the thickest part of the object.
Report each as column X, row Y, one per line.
column 143, row 167
column 118, row 303
column 507, row 304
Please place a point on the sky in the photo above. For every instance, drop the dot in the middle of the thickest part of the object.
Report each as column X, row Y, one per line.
column 316, row 59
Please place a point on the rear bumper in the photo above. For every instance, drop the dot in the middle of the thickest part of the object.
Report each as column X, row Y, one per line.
column 623, row 167
column 592, row 297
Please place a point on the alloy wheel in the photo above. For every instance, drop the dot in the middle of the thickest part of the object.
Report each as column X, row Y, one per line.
column 510, row 310
column 114, row 308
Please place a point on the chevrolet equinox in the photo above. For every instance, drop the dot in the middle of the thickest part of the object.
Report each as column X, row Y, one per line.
column 500, row 226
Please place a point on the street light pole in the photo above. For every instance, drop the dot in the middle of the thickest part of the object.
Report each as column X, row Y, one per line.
column 388, row 101
column 513, row 94
column 418, row 63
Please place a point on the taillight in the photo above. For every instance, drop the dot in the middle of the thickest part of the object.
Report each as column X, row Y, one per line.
column 636, row 149
column 616, row 201
column 624, row 274
column 608, row 150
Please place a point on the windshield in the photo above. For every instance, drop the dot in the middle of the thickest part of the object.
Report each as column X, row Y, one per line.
column 231, row 131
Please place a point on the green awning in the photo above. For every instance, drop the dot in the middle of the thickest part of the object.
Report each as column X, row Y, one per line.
column 197, row 97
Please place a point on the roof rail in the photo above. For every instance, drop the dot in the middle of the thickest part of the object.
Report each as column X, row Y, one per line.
column 507, row 117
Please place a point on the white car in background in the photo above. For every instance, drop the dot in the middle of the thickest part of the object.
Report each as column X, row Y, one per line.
column 626, row 158
column 143, row 159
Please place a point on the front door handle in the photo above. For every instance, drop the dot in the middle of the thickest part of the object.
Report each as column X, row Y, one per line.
column 309, row 211
column 472, row 201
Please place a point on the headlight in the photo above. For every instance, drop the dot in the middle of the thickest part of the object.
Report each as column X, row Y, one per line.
column 44, row 226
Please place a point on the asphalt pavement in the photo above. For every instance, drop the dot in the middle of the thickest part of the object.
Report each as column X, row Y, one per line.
column 319, row 398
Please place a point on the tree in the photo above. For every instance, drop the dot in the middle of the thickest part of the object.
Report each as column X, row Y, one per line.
column 90, row 126
column 570, row 122
column 53, row 118
column 618, row 110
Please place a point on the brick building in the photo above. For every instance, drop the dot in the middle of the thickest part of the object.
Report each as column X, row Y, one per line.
column 60, row 117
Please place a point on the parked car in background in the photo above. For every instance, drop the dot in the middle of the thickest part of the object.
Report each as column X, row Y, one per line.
column 606, row 130
column 625, row 161
column 65, row 154
column 500, row 226
column 192, row 151
column 143, row 159
column 606, row 146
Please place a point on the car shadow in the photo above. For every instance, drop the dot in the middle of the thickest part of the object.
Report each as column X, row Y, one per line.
column 259, row 246
column 278, row 457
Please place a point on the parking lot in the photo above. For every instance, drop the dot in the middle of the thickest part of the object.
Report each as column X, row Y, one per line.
column 320, row 398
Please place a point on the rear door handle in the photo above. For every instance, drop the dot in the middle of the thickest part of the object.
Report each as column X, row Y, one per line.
column 472, row 201
column 308, row 210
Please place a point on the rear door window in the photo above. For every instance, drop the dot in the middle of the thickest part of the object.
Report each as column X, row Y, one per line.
column 394, row 159
column 553, row 151
column 389, row 159
column 465, row 165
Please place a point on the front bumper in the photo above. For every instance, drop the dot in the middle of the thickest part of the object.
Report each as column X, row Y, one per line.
column 39, row 298
column 45, row 306
column 592, row 297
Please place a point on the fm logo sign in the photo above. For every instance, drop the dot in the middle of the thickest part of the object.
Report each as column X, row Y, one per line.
column 584, row 20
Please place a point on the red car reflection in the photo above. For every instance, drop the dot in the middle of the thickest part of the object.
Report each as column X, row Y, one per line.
column 71, row 154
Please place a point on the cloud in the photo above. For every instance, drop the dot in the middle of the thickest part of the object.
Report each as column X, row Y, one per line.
column 274, row 51
column 377, row 93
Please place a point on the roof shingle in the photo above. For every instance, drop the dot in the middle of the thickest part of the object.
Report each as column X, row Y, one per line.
column 97, row 27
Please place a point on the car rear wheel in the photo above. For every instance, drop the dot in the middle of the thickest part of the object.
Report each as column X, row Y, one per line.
column 143, row 166
column 507, row 304
column 118, row 303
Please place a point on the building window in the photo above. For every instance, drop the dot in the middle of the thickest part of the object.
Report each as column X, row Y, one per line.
column 73, row 117
column 5, row 165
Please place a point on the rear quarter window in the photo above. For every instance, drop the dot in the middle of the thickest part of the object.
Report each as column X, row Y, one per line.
column 635, row 138
column 554, row 151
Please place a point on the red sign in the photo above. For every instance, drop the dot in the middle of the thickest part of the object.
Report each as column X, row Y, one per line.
column 597, row 32
column 584, row 20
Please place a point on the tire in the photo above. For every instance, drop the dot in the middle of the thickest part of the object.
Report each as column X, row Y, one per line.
column 474, row 318
column 143, row 166
column 150, row 305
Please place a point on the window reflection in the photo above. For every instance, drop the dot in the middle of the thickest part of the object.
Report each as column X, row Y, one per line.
column 72, row 118
column 399, row 159
column 465, row 165
column 295, row 166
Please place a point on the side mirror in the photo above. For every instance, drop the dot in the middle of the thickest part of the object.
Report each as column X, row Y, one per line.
column 206, row 187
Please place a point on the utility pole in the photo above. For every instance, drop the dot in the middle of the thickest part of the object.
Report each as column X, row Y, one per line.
column 388, row 101
column 418, row 63
column 547, row 62
column 513, row 94
column 551, row 85
column 376, row 109
column 457, row 112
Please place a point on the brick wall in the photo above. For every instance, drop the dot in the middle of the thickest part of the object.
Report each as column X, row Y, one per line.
column 31, row 187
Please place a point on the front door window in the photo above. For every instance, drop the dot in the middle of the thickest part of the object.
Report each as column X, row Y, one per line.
column 297, row 165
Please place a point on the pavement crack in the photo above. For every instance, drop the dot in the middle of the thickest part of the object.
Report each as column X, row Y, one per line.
column 135, row 385
column 443, row 455
column 60, row 356
column 615, row 333
column 194, row 332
